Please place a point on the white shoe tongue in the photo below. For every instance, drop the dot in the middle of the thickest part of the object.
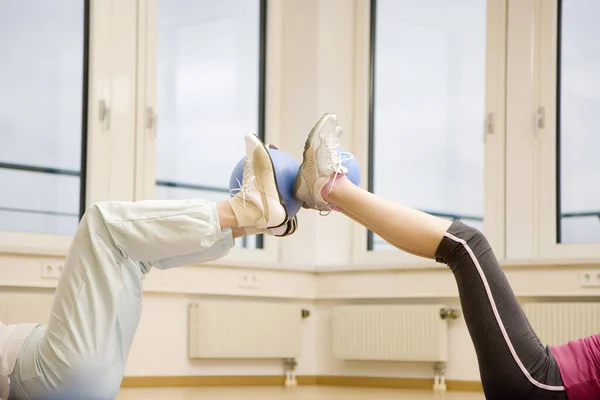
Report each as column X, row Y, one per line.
column 339, row 131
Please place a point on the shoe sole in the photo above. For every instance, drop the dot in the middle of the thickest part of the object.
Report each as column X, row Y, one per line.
column 292, row 225
column 281, row 201
column 307, row 145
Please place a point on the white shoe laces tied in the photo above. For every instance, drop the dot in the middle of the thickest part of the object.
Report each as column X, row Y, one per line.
column 244, row 185
column 336, row 160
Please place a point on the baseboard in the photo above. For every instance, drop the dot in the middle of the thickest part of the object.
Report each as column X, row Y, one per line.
column 192, row 381
column 358, row 381
column 364, row 381
column 396, row 383
column 464, row 386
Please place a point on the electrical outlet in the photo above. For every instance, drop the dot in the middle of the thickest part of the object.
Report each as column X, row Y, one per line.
column 51, row 270
column 249, row 282
column 590, row 279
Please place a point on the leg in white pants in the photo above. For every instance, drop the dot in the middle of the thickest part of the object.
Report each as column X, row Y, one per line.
column 81, row 354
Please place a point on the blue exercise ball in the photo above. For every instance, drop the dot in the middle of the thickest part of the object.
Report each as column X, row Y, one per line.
column 286, row 170
column 351, row 164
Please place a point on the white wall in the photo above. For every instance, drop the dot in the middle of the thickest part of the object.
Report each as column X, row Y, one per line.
column 428, row 286
column 161, row 342
column 160, row 346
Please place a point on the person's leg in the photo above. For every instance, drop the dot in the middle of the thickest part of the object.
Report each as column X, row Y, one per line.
column 97, row 306
column 383, row 235
column 513, row 362
column 318, row 175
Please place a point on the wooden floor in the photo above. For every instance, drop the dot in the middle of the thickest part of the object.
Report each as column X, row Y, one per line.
column 299, row 393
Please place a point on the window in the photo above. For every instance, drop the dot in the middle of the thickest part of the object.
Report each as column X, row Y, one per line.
column 210, row 92
column 43, row 76
column 427, row 108
column 578, row 100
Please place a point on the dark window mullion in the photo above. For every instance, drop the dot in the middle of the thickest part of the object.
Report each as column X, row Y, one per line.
column 84, row 109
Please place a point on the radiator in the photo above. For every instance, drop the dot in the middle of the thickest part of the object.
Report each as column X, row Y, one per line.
column 557, row 323
column 244, row 330
column 390, row 333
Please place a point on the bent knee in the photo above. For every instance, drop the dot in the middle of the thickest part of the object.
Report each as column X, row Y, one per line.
column 94, row 212
column 91, row 220
column 462, row 242
column 466, row 233
column 91, row 379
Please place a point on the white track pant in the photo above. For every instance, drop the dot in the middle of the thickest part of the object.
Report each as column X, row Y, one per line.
column 82, row 352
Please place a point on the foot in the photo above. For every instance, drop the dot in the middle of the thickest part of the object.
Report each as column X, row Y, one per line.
column 321, row 165
column 258, row 202
column 285, row 230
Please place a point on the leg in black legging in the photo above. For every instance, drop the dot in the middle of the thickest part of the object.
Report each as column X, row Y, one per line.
column 513, row 362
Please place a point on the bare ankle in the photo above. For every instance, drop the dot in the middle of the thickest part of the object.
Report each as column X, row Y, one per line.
column 227, row 218
column 336, row 192
column 238, row 232
column 332, row 185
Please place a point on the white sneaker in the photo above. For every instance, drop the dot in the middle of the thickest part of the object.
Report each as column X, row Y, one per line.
column 285, row 230
column 258, row 202
column 321, row 162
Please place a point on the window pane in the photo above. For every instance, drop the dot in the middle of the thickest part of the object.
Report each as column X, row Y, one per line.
column 41, row 114
column 579, row 139
column 428, row 110
column 209, row 92
column 39, row 202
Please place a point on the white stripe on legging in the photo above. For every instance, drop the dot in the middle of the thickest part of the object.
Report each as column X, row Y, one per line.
column 499, row 320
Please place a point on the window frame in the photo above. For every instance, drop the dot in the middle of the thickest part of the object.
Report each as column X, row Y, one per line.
column 548, row 69
column 494, row 147
column 269, row 120
column 37, row 243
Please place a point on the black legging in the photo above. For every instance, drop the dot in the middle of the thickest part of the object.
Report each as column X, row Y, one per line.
column 513, row 362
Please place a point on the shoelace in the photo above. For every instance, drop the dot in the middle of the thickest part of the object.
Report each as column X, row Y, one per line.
column 337, row 171
column 244, row 184
column 337, row 161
